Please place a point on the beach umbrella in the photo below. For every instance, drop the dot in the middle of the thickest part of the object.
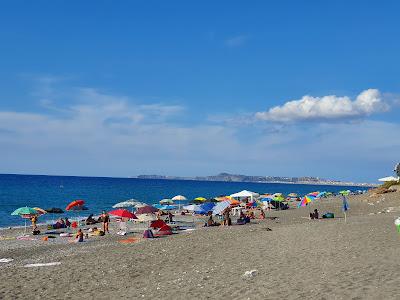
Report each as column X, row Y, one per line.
column 234, row 202
column 179, row 198
column 306, row 199
column 40, row 211
column 314, row 194
column 75, row 203
column 192, row 207
column 54, row 210
column 322, row 194
column 220, row 207
column 78, row 208
column 123, row 213
column 166, row 201
column 345, row 192
column 146, row 217
column 200, row 199
column 128, row 203
column 168, row 207
column 205, row 208
column 25, row 213
column 148, row 209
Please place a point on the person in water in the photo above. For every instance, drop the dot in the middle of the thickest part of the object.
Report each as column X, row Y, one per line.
column 106, row 221
column 79, row 236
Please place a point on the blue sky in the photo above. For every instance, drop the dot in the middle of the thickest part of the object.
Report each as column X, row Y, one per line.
column 120, row 88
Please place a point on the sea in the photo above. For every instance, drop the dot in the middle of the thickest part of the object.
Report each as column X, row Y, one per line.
column 101, row 193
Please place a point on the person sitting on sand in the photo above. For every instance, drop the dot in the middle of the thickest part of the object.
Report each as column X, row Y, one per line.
column 314, row 215
column 210, row 222
column 79, row 236
column 262, row 215
column 251, row 215
column 90, row 220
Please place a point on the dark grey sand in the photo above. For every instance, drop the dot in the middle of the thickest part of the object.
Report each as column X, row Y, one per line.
column 298, row 259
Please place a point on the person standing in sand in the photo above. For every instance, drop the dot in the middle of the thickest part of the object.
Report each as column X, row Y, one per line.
column 106, row 220
column 34, row 221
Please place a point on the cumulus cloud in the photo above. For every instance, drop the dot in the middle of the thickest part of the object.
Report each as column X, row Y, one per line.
column 327, row 108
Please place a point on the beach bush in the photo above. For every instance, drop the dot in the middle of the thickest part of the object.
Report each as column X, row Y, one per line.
column 388, row 184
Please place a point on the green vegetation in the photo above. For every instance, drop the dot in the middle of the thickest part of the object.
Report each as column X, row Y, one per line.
column 388, row 184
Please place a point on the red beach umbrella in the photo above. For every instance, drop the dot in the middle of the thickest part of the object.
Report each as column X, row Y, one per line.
column 123, row 213
column 74, row 203
column 146, row 210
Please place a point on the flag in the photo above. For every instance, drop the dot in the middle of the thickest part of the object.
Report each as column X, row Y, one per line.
column 345, row 206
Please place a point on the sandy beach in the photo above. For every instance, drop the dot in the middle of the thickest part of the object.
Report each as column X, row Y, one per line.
column 291, row 257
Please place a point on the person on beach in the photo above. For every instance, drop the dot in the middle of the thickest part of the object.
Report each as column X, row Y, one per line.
column 67, row 223
column 227, row 218
column 262, row 215
column 79, row 236
column 170, row 217
column 106, row 220
column 34, row 221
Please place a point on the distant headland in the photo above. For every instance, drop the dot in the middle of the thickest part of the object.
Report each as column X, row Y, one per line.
column 259, row 179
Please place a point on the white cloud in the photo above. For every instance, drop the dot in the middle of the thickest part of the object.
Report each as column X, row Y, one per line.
column 236, row 41
column 326, row 108
column 104, row 134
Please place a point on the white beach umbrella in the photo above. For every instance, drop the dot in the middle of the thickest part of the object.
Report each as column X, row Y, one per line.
column 192, row 207
column 146, row 217
column 179, row 198
column 128, row 203
column 220, row 207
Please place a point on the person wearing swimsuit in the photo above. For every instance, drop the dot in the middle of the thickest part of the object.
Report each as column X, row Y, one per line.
column 106, row 220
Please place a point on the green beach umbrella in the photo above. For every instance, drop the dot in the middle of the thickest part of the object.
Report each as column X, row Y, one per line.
column 344, row 193
column 24, row 211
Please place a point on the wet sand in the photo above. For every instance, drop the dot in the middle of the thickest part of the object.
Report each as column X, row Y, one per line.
column 297, row 259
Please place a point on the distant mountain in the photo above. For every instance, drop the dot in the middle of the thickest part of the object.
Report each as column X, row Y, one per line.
column 262, row 179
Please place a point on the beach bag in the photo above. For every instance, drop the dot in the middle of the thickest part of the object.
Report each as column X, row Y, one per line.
column 36, row 232
column 328, row 215
column 148, row 234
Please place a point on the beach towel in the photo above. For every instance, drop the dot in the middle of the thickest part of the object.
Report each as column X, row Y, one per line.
column 43, row 265
column 6, row 260
column 129, row 240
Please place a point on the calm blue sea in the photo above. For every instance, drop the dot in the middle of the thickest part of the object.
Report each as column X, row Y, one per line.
column 101, row 193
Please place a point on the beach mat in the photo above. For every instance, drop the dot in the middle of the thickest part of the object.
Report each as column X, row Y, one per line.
column 129, row 240
column 57, row 263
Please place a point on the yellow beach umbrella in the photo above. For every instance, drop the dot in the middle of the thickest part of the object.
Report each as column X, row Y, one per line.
column 200, row 199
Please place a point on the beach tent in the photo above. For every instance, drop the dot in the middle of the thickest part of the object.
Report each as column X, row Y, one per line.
column 205, row 208
column 245, row 194
column 390, row 178
column 220, row 207
column 192, row 207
